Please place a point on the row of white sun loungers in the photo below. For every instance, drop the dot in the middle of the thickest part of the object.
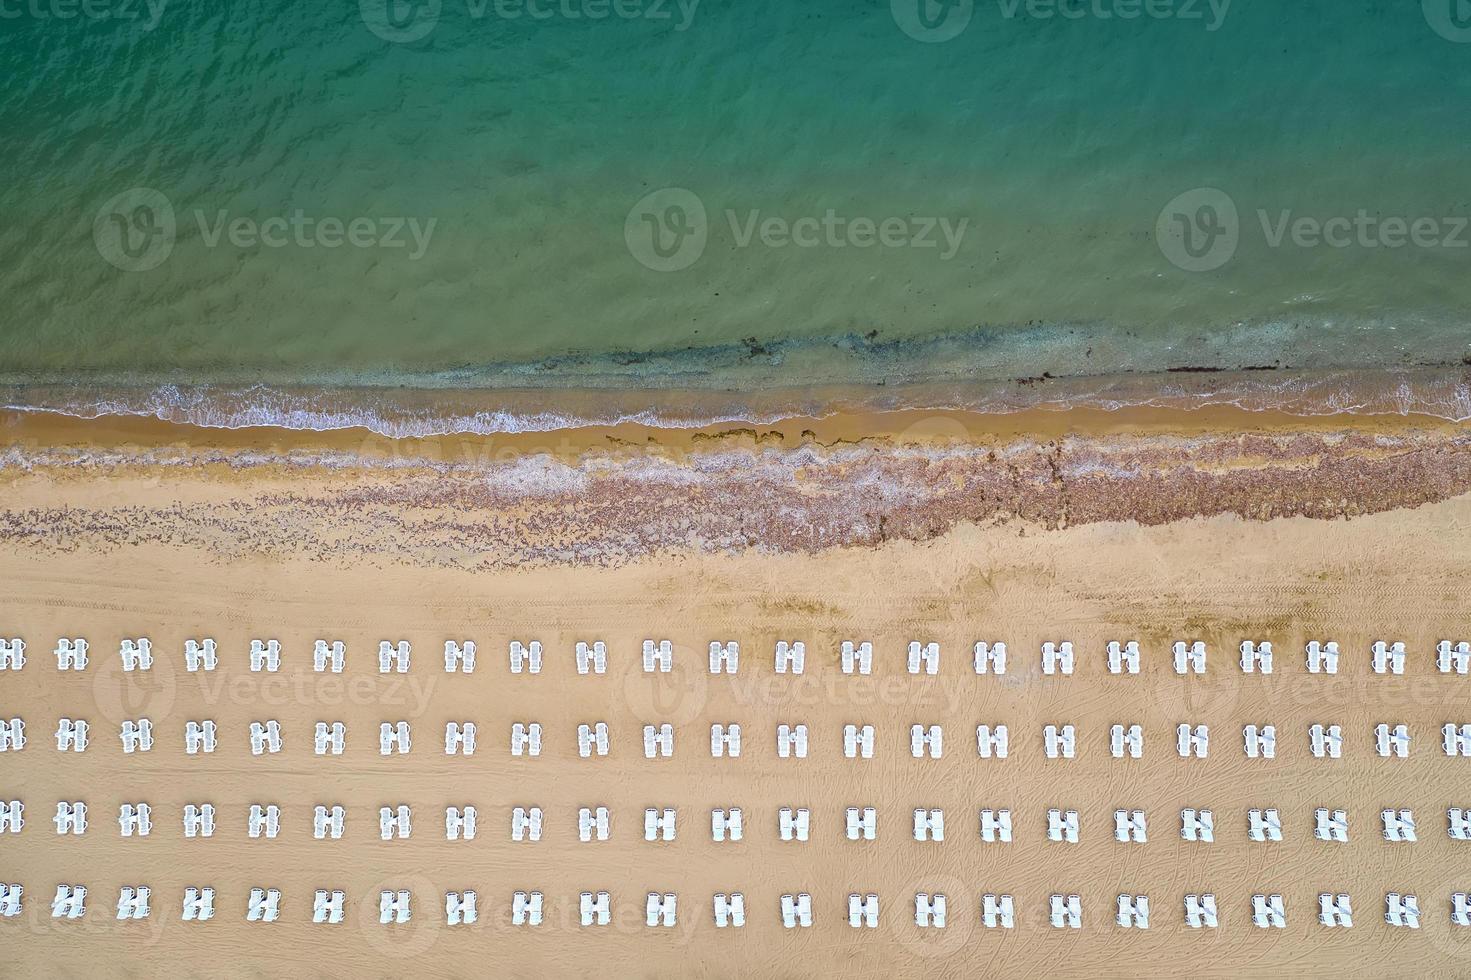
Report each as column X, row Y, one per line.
column 1262, row 824
column 790, row 657
column 1390, row 740
column 661, row 909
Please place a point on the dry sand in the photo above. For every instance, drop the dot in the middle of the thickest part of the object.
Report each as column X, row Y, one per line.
column 1392, row 572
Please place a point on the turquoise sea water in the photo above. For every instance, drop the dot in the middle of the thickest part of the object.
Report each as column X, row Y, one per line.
column 313, row 213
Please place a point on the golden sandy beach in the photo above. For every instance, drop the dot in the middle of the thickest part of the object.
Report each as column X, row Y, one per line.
column 1044, row 528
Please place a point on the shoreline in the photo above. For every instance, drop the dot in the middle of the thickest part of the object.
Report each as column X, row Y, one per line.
column 608, row 496
column 1441, row 391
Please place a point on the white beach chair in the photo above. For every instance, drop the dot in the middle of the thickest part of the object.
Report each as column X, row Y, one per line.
column 1062, row 826
column 135, row 819
column 996, row 826
column 526, row 823
column 659, row 824
column 794, row 824
column 661, row 910
column 459, row 738
column 924, row 656
column 70, row 902
column 1123, row 657
column 526, row 657
column 459, row 656
column 1060, row 741
column 660, row 657
column 395, row 907
column 526, row 909
column 265, row 655
column 1130, row 827
column 132, row 902
column 724, row 740
column 998, row 911
column 1200, row 911
column 71, row 654
column 1330, row 825
column 199, row 820
column 595, row 909
column 594, row 657
column 12, row 816
column 1327, row 741
column 1260, row 741
column 856, row 657
column 922, row 740
column 71, row 735
column 990, row 658
column 71, row 818
column 328, row 656
column 1197, row 825
column 858, row 741
column 791, row 657
column 12, row 734
column 199, row 904
column 724, row 824
column 1065, row 911
column 1263, row 825
column 327, row 907
column 12, row 654
column 459, row 823
column 1189, row 659
column 1133, row 912
column 730, row 910
column 929, row 825
column 929, row 910
column 1122, row 740
column 136, row 654
column 394, row 657
column 459, row 908
column 1058, row 657
column 11, row 899
column 1389, row 658
column 1256, row 656
column 725, row 657
column 1453, row 657
column 1322, row 658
